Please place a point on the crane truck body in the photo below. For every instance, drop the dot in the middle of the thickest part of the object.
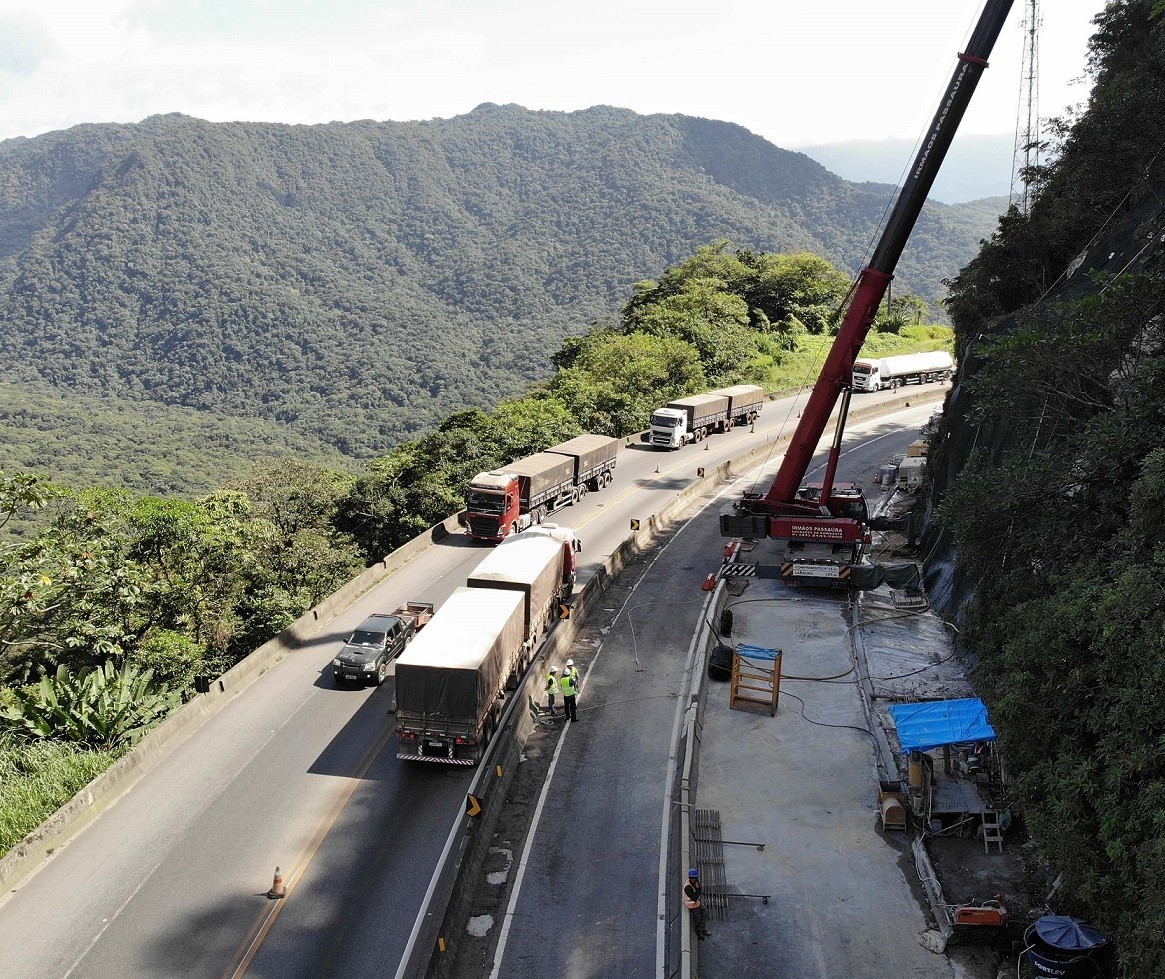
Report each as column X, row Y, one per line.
column 520, row 495
column 803, row 519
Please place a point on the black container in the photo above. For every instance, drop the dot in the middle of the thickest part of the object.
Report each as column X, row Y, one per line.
column 720, row 663
column 726, row 622
column 1066, row 948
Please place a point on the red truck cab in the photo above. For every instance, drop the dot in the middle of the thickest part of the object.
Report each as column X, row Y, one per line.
column 493, row 506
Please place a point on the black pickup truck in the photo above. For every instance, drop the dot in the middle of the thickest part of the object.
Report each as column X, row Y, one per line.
column 375, row 643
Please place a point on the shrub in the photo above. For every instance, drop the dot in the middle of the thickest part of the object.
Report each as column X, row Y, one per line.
column 103, row 708
column 36, row 779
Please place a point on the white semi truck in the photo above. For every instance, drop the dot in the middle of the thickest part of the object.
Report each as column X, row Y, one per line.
column 693, row 418
column 892, row 372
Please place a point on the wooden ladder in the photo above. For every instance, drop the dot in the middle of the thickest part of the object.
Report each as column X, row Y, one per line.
column 755, row 682
column 992, row 831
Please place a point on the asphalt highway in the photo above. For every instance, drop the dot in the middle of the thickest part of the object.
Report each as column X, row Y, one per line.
column 172, row 878
column 585, row 897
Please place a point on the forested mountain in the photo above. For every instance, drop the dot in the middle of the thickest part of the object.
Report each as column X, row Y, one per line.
column 354, row 283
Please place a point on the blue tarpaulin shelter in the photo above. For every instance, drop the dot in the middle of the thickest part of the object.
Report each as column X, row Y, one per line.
column 922, row 727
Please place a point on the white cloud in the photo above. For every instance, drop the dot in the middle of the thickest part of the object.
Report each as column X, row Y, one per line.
column 795, row 72
column 23, row 46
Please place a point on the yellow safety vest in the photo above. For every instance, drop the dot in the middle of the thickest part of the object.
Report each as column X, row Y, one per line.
column 551, row 684
column 691, row 903
column 569, row 684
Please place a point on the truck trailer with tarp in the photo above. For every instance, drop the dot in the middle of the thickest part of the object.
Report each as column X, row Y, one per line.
column 536, row 568
column 450, row 682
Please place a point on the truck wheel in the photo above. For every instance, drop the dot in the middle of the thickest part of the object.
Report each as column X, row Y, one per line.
column 381, row 673
column 582, row 491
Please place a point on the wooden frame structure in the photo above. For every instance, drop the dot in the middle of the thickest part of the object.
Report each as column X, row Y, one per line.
column 754, row 683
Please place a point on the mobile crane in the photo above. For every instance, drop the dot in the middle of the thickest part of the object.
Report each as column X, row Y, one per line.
column 825, row 528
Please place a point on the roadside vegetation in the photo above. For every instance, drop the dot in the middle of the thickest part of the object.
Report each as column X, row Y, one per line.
column 112, row 603
column 1057, row 511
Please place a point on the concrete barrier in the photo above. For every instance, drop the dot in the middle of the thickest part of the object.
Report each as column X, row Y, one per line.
column 107, row 787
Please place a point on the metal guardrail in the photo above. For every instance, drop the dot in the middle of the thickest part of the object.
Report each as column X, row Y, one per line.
column 686, row 962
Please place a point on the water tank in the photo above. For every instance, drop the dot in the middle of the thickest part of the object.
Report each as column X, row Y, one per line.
column 1066, row 948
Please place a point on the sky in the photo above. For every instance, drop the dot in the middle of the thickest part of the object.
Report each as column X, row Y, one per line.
column 797, row 72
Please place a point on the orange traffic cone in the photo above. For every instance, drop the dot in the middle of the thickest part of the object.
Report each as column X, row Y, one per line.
column 277, row 888
column 728, row 548
column 709, row 582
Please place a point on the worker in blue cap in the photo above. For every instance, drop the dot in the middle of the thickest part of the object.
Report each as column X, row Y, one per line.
column 692, row 892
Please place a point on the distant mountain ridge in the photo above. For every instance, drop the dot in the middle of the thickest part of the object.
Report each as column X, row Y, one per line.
column 357, row 282
column 976, row 167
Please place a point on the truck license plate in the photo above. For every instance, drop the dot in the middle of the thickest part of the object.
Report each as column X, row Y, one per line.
column 434, row 744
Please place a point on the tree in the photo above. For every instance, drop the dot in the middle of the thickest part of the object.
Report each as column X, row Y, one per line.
column 904, row 309
column 799, row 287
column 615, row 381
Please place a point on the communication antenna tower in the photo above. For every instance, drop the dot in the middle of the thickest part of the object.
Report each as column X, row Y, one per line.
column 1026, row 155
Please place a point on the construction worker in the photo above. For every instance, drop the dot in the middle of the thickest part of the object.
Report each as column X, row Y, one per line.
column 692, row 894
column 569, row 685
column 551, row 689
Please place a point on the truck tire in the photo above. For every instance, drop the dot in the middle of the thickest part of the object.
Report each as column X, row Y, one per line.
column 582, row 490
column 381, row 673
column 539, row 514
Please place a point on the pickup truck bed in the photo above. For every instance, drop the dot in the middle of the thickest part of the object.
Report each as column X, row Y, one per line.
column 419, row 612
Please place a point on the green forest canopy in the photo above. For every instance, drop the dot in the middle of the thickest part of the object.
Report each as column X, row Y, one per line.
column 351, row 285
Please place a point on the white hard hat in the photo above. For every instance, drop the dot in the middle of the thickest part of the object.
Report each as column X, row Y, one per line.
column 570, row 662
column 554, row 669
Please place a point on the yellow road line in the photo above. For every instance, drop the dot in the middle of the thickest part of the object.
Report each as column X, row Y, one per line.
column 266, row 919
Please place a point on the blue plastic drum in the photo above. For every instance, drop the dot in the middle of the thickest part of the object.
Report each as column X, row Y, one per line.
column 1066, row 948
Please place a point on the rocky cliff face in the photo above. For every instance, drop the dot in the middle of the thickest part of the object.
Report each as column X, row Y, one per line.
column 1133, row 242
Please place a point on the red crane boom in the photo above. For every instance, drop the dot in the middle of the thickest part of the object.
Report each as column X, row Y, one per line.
column 838, row 515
